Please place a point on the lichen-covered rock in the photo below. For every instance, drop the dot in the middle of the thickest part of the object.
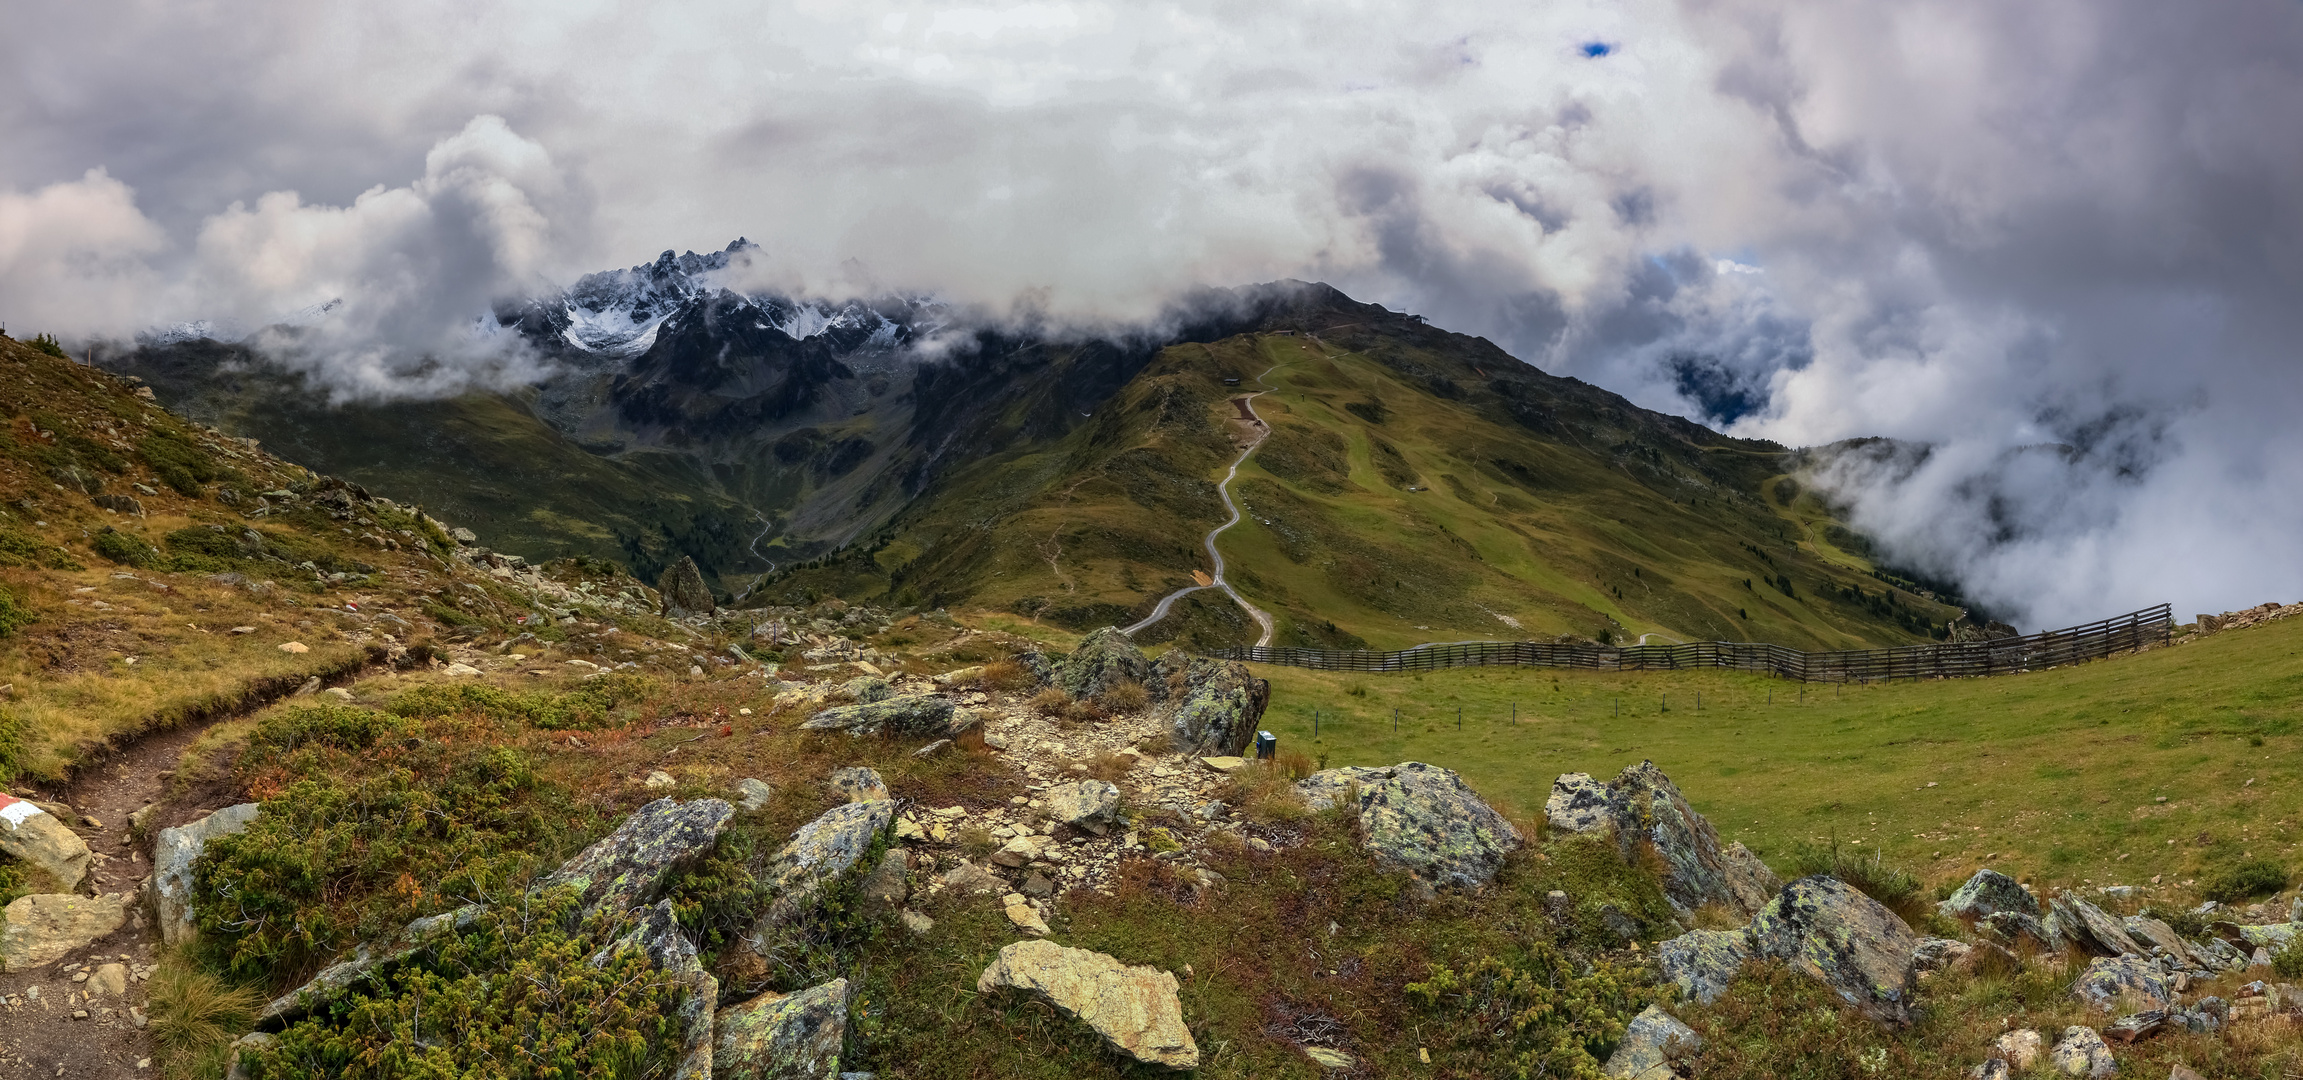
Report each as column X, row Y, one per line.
column 1134, row 1008
column 41, row 928
column 1643, row 809
column 1826, row 928
column 1649, row 1043
column 2089, row 927
column 173, row 853
column 1329, row 788
column 2153, row 934
column 1578, row 804
column 904, row 714
column 1935, row 954
column 1703, row 962
column 658, row 934
column 683, row 590
column 624, row 869
column 857, row 783
column 2014, row 926
column 885, row 889
column 366, row 961
column 783, row 1036
column 1987, row 893
column 1216, row 704
column 1423, row 819
column 2273, row 936
column 865, row 689
column 1101, row 661
column 2108, row 978
column 35, row 836
column 2216, row 954
column 2019, row 1049
column 753, row 793
column 2082, row 1053
column 1092, row 805
column 819, row 854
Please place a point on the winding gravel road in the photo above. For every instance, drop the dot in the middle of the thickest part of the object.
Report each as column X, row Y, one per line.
column 1262, row 617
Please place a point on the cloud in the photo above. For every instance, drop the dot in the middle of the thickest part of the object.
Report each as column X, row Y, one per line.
column 1978, row 226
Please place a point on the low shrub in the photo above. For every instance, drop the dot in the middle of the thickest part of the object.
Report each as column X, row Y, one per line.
column 589, row 707
column 127, row 549
column 342, row 727
column 2243, row 880
column 1539, row 1015
column 24, row 549
column 1776, row 1022
column 14, row 615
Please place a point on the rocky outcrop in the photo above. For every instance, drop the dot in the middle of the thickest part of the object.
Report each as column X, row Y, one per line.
column 1703, row 962
column 1423, row 819
column 172, row 856
column 2082, row 1053
column 1102, row 660
column 783, row 1036
column 1216, row 704
column 858, row 783
column 905, row 714
column 1852, row 943
column 818, row 855
column 1988, row 893
column 625, row 868
column 1649, row 1043
column 2089, row 927
column 1089, row 805
column 1134, row 1008
column 34, row 836
column 684, row 591
column 2109, row 978
column 41, row 928
column 1643, row 810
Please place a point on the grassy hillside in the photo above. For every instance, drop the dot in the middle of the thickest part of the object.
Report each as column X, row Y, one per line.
column 1416, row 486
column 2056, row 774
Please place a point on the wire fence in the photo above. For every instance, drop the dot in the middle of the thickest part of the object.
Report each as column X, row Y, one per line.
column 2001, row 656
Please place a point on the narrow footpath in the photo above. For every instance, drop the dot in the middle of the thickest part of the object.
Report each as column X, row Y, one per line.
column 1262, row 618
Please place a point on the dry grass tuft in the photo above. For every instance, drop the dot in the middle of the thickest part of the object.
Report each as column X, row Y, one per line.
column 1124, row 697
column 196, row 1016
column 1006, row 676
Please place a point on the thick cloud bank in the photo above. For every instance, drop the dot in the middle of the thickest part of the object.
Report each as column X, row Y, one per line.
column 2061, row 243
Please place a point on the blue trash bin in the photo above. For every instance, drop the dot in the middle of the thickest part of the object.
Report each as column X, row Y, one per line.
column 1266, row 745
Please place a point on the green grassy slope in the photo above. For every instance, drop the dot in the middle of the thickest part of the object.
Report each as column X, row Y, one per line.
column 2055, row 773
column 1399, row 499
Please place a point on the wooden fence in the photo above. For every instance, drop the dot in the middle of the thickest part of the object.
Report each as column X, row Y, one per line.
column 2002, row 656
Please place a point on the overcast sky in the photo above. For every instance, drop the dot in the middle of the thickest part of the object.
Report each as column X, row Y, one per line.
column 2061, row 242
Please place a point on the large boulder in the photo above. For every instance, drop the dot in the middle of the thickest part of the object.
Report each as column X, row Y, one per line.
column 819, row 855
column 1852, row 943
column 1989, row 892
column 2108, row 979
column 1649, row 1043
column 624, row 869
column 684, row 591
column 35, row 836
column 1642, row 809
column 783, row 1036
column 1216, row 704
column 1134, row 1008
column 172, row 856
column 1091, row 805
column 1102, row 660
column 1703, row 962
column 41, row 928
column 904, row 714
column 2091, row 928
column 1423, row 819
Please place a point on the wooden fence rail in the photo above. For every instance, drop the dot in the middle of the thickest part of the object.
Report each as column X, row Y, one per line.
column 2003, row 656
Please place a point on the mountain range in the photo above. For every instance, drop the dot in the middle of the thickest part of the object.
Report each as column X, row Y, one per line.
column 1416, row 484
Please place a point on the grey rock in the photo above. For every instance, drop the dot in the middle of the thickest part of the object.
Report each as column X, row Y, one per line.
column 1831, row 931
column 366, row 961
column 1703, row 962
column 1215, row 704
column 2216, row 954
column 782, row 1036
column 1642, row 810
column 2109, row 978
column 120, row 504
column 36, row 836
column 917, row 923
column 623, row 870
column 1343, row 786
column 2013, row 927
column 934, row 748
column 820, row 854
column 1101, row 661
column 857, row 783
column 78, row 479
column 2083, row 924
column 1989, row 892
column 1649, row 1043
column 41, row 928
column 905, row 714
column 659, row 935
column 887, row 887
column 866, row 689
column 173, row 853
column 2155, row 935
column 2136, row 1027
column 1135, row 1009
column 1578, row 805
column 1038, row 886
column 1990, row 1069
column 1423, row 819
column 2273, row 936
column 2019, row 1048
column 2081, row 1052
column 684, row 591
column 970, row 878
column 1092, row 805
column 253, row 1043
column 751, row 794
column 1935, row 954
